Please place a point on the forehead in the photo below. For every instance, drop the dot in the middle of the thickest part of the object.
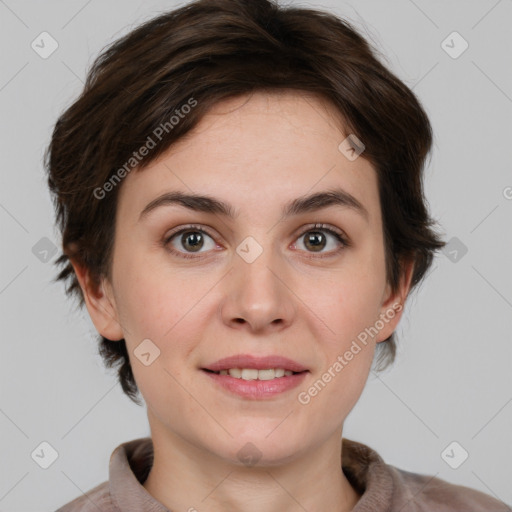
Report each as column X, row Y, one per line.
column 283, row 103
column 257, row 148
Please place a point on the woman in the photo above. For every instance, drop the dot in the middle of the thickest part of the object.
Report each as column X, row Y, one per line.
column 239, row 190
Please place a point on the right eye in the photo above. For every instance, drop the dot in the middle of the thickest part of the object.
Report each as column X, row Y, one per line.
column 192, row 239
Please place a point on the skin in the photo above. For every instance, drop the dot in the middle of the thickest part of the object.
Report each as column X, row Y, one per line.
column 256, row 153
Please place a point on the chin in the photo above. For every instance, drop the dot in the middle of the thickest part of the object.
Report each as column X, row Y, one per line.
column 264, row 447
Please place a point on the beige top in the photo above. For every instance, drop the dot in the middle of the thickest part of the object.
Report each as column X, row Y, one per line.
column 384, row 488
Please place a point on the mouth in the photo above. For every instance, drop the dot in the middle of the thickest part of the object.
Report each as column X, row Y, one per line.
column 255, row 377
column 255, row 374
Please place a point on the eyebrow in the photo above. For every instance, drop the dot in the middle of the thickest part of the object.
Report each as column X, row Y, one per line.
column 304, row 204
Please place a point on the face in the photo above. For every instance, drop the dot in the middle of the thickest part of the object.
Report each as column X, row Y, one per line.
column 278, row 277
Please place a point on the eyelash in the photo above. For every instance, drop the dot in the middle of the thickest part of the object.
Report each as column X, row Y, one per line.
column 339, row 235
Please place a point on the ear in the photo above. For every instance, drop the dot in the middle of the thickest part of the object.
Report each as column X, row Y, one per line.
column 394, row 302
column 100, row 303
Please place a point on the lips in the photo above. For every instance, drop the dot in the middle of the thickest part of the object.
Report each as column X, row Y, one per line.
column 256, row 378
column 254, row 362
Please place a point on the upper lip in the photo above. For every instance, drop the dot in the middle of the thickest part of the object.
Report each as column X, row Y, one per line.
column 258, row 363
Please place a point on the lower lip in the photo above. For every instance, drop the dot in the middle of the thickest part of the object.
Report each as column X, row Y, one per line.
column 257, row 389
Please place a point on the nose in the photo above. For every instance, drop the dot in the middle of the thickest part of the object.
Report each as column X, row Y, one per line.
column 258, row 296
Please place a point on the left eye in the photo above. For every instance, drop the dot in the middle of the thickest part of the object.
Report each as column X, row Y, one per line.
column 316, row 239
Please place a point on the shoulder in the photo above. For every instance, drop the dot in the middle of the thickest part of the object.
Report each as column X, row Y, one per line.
column 417, row 492
column 96, row 499
column 129, row 465
column 385, row 487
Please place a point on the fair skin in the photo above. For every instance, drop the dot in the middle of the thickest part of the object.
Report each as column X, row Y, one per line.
column 257, row 154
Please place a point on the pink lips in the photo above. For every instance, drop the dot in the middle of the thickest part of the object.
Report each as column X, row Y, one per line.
column 256, row 389
column 258, row 363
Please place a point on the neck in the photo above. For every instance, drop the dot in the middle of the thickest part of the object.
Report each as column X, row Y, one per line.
column 184, row 477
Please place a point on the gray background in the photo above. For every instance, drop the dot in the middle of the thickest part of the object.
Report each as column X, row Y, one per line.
column 452, row 380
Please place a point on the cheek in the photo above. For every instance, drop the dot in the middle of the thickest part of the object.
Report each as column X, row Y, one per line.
column 348, row 307
column 162, row 309
column 349, row 300
column 150, row 300
column 165, row 317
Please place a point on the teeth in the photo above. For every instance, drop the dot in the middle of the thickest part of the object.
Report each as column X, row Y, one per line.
column 250, row 374
column 253, row 374
column 235, row 372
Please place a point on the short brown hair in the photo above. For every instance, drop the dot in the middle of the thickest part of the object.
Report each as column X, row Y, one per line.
column 210, row 50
